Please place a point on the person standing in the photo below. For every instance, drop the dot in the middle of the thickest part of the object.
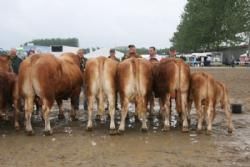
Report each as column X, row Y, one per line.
column 153, row 54
column 131, row 52
column 172, row 52
column 15, row 60
column 112, row 55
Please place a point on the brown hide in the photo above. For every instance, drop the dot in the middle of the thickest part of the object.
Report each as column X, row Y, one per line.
column 172, row 76
column 100, row 82
column 206, row 91
column 134, row 85
column 49, row 78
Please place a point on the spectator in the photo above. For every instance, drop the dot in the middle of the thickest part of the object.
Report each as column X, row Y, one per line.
column 112, row 55
column 153, row 53
column 131, row 52
column 15, row 60
column 172, row 52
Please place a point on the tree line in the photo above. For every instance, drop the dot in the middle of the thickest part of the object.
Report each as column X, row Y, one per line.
column 55, row 41
column 211, row 24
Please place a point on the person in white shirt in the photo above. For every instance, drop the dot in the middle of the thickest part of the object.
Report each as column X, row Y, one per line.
column 153, row 54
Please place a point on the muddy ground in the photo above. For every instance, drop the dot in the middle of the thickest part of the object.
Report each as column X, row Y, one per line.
column 71, row 145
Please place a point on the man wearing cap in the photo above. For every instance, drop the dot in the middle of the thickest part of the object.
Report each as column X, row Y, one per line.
column 112, row 55
column 131, row 52
column 15, row 60
column 172, row 52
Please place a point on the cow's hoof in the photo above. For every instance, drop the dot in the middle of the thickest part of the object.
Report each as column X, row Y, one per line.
column 208, row 132
column 17, row 128
column 120, row 132
column 89, row 129
column 30, row 133
column 61, row 116
column 144, row 130
column 112, row 131
column 165, row 129
column 199, row 131
column 98, row 118
column 73, row 118
column 185, row 129
column 48, row 133
column 230, row 130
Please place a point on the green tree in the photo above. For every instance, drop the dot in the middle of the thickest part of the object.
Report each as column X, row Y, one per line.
column 55, row 41
column 207, row 24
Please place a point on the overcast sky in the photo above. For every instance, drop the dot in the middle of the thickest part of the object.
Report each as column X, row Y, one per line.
column 103, row 23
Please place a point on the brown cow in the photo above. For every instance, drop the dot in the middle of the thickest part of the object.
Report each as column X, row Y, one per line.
column 49, row 78
column 134, row 85
column 205, row 90
column 172, row 77
column 154, row 62
column 100, row 75
column 8, row 88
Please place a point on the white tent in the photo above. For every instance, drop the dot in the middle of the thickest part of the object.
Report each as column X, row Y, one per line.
column 103, row 52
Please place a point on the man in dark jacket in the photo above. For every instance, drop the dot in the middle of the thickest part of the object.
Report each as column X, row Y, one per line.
column 112, row 55
column 15, row 60
column 131, row 52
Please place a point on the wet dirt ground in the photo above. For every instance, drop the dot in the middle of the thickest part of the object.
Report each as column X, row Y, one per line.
column 71, row 145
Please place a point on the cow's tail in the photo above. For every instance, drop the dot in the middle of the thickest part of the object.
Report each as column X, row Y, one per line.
column 136, row 72
column 101, row 86
column 101, row 73
column 178, row 90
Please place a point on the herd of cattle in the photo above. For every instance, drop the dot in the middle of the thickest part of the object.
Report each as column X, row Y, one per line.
column 47, row 78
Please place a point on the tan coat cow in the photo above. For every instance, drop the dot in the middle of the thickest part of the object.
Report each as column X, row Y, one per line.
column 172, row 76
column 206, row 91
column 49, row 78
column 100, row 82
column 134, row 85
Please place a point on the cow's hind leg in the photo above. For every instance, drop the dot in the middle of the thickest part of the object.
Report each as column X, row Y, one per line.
column 90, row 111
column 124, row 113
column 166, row 112
column 200, row 114
column 61, row 110
column 111, row 101
column 74, row 107
column 28, row 113
column 209, row 112
column 142, row 108
column 229, row 118
column 184, row 111
column 16, row 113
column 46, row 110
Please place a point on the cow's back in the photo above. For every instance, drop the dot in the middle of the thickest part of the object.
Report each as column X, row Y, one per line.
column 202, row 85
column 171, row 75
column 99, row 73
column 70, row 64
column 135, row 77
